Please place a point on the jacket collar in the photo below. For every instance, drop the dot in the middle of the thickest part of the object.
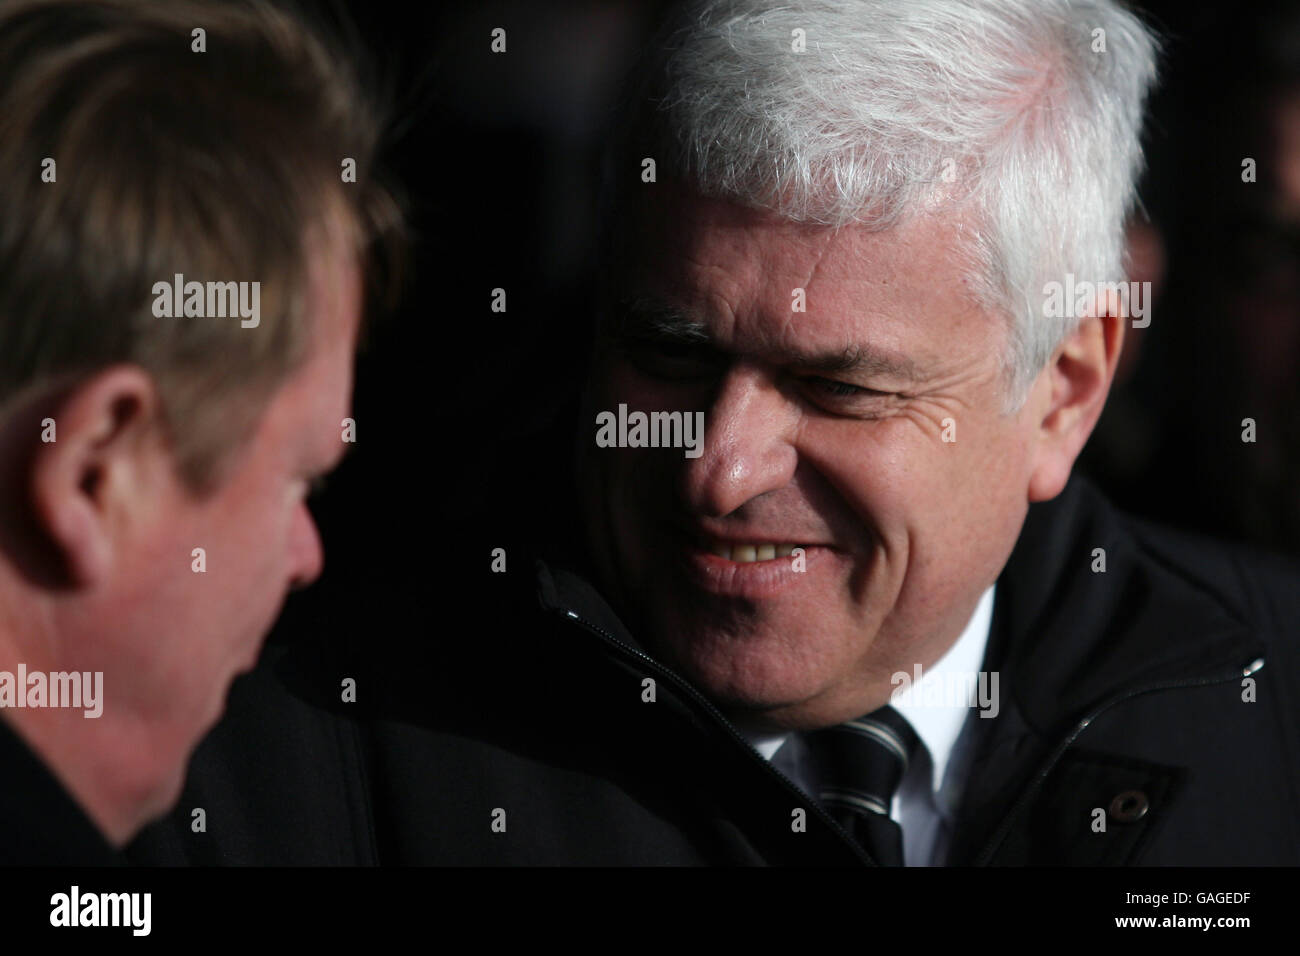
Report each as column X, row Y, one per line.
column 40, row 823
column 565, row 590
column 1066, row 635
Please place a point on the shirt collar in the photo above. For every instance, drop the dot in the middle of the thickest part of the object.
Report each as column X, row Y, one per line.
column 937, row 705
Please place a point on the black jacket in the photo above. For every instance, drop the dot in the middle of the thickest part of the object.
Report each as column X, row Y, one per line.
column 40, row 823
column 1121, row 691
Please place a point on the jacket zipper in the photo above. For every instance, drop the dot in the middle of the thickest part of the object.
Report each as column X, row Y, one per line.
column 684, row 688
column 1000, row 835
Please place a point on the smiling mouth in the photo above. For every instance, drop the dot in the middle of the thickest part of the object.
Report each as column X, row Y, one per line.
column 748, row 569
column 746, row 553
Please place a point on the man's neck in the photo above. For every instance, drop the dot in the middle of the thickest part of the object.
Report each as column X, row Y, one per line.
column 96, row 753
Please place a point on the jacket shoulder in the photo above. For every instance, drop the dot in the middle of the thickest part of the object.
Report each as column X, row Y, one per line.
column 1259, row 586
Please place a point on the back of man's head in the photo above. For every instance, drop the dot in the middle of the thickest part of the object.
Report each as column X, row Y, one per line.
column 191, row 218
column 141, row 141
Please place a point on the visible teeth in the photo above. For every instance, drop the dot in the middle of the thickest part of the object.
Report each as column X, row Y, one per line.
column 748, row 553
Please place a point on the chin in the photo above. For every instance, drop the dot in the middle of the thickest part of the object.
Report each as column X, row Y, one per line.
column 175, row 784
column 750, row 672
column 245, row 655
column 162, row 788
column 203, row 718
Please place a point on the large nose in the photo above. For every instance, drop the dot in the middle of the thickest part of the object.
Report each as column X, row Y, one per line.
column 747, row 445
column 306, row 553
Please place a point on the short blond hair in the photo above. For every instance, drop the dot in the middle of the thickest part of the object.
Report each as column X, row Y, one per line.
column 218, row 165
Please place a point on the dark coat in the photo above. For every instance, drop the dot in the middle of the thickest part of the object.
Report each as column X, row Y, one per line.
column 40, row 823
column 1120, row 691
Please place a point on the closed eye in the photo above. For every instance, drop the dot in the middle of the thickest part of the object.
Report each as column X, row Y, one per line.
column 671, row 359
column 841, row 389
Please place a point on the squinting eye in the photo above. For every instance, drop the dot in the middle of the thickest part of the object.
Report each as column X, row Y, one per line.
column 668, row 359
column 843, row 389
column 829, row 386
column 672, row 350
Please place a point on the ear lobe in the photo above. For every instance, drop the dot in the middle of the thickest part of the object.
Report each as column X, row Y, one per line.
column 1077, row 381
column 85, row 485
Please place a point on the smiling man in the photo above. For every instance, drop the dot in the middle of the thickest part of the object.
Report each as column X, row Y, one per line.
column 156, row 467
column 826, row 433
column 874, row 618
column 844, row 257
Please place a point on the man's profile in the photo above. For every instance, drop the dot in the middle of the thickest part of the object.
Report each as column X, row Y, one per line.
column 157, row 461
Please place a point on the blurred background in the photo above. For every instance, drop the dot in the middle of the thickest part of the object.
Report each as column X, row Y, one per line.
column 458, row 406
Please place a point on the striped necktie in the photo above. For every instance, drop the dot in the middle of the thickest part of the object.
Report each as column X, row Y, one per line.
column 862, row 763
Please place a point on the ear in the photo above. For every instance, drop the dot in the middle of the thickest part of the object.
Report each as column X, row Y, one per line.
column 99, row 473
column 1069, row 396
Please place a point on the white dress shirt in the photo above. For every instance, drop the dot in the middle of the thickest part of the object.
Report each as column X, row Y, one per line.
column 941, row 710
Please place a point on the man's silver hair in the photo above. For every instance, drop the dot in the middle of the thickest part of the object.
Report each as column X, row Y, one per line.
column 1024, row 115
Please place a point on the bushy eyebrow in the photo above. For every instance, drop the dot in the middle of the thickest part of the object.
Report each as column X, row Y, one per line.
column 863, row 360
column 643, row 317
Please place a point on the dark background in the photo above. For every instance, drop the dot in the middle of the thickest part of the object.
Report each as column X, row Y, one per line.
column 457, row 405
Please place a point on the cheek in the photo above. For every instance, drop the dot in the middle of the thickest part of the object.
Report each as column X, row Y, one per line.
column 268, row 559
column 978, row 512
column 889, row 471
column 638, row 472
column 937, row 456
column 259, row 528
column 284, row 516
column 928, row 503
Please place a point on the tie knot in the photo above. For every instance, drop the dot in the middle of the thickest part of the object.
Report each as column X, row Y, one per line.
column 863, row 761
